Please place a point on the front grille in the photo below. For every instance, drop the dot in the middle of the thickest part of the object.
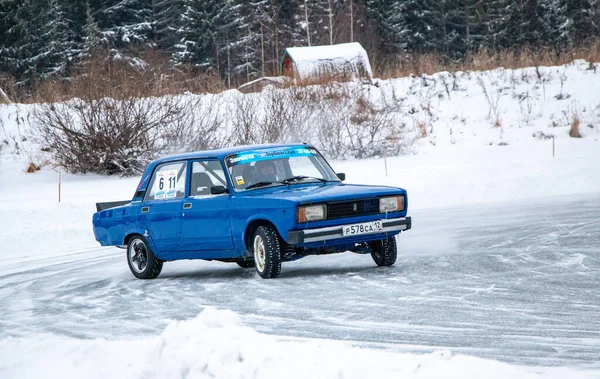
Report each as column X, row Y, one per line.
column 352, row 208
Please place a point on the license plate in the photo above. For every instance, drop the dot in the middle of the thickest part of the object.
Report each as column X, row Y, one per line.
column 362, row 228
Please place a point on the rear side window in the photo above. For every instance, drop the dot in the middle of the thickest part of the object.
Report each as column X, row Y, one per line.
column 168, row 182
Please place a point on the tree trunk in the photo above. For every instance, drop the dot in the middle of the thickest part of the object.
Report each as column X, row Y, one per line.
column 351, row 21
column 262, row 51
column 307, row 23
column 330, row 23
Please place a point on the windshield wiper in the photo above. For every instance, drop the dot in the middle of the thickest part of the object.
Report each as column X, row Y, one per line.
column 300, row 177
column 259, row 184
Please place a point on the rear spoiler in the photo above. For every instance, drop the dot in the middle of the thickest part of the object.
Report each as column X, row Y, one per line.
column 110, row 204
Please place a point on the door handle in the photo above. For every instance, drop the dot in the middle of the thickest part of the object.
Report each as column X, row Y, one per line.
column 145, row 209
column 187, row 205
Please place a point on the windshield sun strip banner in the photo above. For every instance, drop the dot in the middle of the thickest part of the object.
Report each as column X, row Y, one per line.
column 256, row 156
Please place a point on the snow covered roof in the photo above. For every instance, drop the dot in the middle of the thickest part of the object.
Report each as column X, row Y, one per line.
column 311, row 61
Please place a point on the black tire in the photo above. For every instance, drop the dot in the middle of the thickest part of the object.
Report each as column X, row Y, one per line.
column 384, row 252
column 141, row 260
column 267, row 252
column 246, row 263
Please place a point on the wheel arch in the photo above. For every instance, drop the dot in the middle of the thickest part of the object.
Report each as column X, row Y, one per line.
column 132, row 233
column 130, row 236
column 251, row 229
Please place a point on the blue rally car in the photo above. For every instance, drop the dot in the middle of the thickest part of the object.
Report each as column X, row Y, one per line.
column 253, row 205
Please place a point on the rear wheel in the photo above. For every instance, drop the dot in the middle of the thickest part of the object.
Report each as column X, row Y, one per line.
column 267, row 252
column 142, row 262
column 384, row 252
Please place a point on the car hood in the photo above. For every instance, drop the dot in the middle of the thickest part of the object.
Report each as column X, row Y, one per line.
column 315, row 193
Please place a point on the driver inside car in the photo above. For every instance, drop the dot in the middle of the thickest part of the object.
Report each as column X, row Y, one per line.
column 265, row 171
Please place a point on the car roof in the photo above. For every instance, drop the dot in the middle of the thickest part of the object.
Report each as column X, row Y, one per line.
column 222, row 153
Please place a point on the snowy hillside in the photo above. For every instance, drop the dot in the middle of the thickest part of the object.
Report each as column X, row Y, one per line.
column 478, row 140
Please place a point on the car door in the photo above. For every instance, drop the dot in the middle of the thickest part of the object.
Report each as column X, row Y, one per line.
column 162, row 205
column 205, row 220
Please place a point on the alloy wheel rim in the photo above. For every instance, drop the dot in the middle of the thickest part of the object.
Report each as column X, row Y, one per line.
column 259, row 253
column 138, row 255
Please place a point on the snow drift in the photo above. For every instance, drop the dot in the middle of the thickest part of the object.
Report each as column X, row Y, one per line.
column 216, row 344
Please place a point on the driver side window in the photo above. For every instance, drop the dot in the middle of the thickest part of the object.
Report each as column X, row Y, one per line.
column 205, row 175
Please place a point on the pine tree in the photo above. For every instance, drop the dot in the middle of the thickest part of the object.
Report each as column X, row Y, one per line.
column 395, row 33
column 556, row 26
column 126, row 24
column 256, row 31
column 497, row 23
column 232, row 42
column 424, row 20
column 209, row 37
column 36, row 44
column 522, row 28
column 390, row 16
column 57, row 51
column 166, row 15
column 586, row 18
column 465, row 27
column 196, row 36
column 92, row 36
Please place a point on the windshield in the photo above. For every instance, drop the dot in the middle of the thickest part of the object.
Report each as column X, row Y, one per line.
column 277, row 166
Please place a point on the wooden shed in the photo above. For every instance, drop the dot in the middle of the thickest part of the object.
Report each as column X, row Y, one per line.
column 346, row 61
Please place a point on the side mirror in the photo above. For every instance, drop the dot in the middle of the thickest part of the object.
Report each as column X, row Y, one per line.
column 341, row 176
column 218, row 190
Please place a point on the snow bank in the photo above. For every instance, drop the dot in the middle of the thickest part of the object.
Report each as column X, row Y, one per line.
column 216, row 344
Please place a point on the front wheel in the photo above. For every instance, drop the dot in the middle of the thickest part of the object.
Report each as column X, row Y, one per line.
column 267, row 252
column 142, row 262
column 384, row 252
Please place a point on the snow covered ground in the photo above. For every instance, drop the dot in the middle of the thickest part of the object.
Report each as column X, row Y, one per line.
column 499, row 277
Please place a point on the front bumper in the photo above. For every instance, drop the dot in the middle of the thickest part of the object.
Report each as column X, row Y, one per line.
column 298, row 237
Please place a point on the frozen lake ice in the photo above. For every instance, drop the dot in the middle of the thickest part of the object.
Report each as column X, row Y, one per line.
column 515, row 282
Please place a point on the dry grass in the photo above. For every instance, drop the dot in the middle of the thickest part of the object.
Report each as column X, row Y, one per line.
column 100, row 77
column 483, row 60
column 32, row 168
column 422, row 129
column 574, row 130
column 498, row 122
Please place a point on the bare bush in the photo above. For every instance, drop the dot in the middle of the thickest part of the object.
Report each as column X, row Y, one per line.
column 373, row 130
column 200, row 126
column 276, row 116
column 493, row 99
column 356, row 127
column 106, row 136
column 331, row 123
column 244, row 118
column 280, row 117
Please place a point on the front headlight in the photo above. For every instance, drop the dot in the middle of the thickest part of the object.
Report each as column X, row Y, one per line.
column 391, row 204
column 311, row 213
